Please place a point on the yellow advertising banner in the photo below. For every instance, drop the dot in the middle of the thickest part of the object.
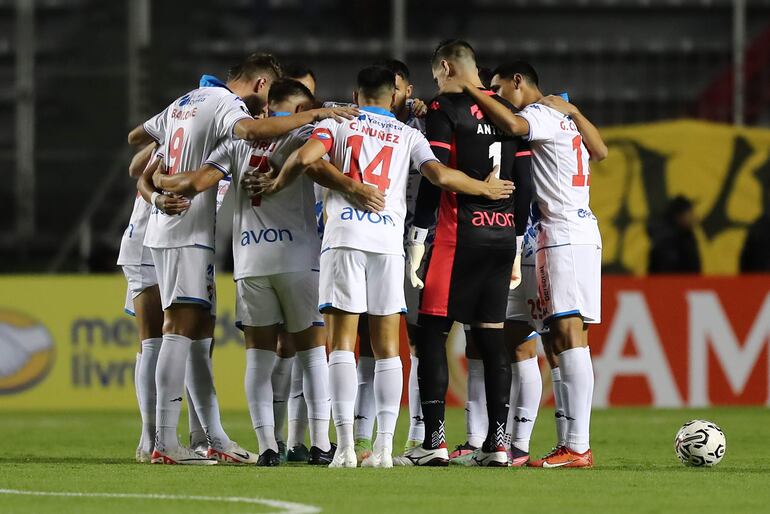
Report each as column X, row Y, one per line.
column 66, row 344
column 723, row 170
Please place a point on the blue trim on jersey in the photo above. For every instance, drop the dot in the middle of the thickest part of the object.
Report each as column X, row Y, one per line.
column 532, row 335
column 129, row 312
column 278, row 114
column 196, row 245
column 192, row 299
column 316, row 270
column 325, row 250
column 378, row 110
column 212, row 81
column 318, row 324
column 324, row 306
column 220, row 168
column 148, row 265
column 239, row 325
column 560, row 315
column 403, row 310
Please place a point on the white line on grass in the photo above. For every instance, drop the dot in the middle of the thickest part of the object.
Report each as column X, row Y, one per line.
column 288, row 507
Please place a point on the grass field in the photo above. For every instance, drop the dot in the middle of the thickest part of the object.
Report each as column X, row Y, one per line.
column 636, row 471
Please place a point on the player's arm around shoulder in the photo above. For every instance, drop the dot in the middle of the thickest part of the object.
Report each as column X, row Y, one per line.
column 189, row 183
column 591, row 136
column 267, row 128
column 500, row 113
column 166, row 203
column 140, row 160
column 363, row 196
column 450, row 179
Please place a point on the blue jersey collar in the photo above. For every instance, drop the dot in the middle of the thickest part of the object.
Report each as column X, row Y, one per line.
column 378, row 110
column 211, row 81
column 280, row 113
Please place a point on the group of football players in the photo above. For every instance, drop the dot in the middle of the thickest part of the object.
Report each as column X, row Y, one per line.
column 335, row 209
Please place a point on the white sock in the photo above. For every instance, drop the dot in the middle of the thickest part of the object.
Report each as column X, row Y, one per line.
column 137, row 388
column 365, row 409
column 388, row 385
column 558, row 400
column 476, row 421
column 259, row 396
column 200, row 383
column 197, row 432
column 138, row 391
column 145, row 386
column 315, row 372
column 530, row 389
column 416, row 424
column 281, row 379
column 590, row 393
column 342, row 385
column 169, row 380
column 297, row 406
column 575, row 365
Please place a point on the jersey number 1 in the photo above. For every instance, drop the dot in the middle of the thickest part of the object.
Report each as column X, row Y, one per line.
column 580, row 179
column 382, row 159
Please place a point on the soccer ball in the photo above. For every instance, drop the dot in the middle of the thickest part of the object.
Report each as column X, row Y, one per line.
column 700, row 443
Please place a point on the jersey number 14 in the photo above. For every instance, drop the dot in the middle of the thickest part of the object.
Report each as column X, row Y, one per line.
column 381, row 160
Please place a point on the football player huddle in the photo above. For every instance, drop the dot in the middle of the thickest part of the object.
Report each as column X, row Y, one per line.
column 472, row 209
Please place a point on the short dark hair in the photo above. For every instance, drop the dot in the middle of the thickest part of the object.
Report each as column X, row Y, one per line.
column 297, row 70
column 452, row 49
column 397, row 67
column 523, row 68
column 283, row 89
column 374, row 80
column 254, row 65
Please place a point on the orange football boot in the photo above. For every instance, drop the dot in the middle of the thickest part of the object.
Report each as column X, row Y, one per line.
column 563, row 457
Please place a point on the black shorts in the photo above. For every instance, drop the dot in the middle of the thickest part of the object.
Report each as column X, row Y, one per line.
column 467, row 284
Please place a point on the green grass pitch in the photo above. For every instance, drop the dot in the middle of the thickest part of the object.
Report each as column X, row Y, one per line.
column 636, row 471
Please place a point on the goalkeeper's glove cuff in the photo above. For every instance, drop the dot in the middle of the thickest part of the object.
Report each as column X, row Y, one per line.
column 418, row 235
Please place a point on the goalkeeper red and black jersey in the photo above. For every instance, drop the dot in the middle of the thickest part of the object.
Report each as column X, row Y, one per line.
column 462, row 137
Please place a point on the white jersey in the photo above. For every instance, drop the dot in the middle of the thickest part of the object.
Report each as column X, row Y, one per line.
column 188, row 130
column 379, row 150
column 132, row 249
column 413, row 183
column 561, row 178
column 276, row 233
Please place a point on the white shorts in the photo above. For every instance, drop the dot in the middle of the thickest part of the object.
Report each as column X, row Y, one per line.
column 186, row 275
column 570, row 281
column 357, row 281
column 139, row 278
column 289, row 299
column 523, row 302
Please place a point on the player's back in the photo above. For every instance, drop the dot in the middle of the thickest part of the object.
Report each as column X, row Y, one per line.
column 378, row 150
column 276, row 233
column 561, row 178
column 188, row 130
column 457, row 124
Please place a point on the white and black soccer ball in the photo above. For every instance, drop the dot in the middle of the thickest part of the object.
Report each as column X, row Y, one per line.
column 700, row 443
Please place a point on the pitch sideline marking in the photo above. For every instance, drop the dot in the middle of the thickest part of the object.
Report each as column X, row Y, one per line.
column 288, row 507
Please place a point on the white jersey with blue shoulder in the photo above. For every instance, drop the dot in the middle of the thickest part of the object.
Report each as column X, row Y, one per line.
column 561, row 177
column 376, row 149
column 276, row 233
column 188, row 130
